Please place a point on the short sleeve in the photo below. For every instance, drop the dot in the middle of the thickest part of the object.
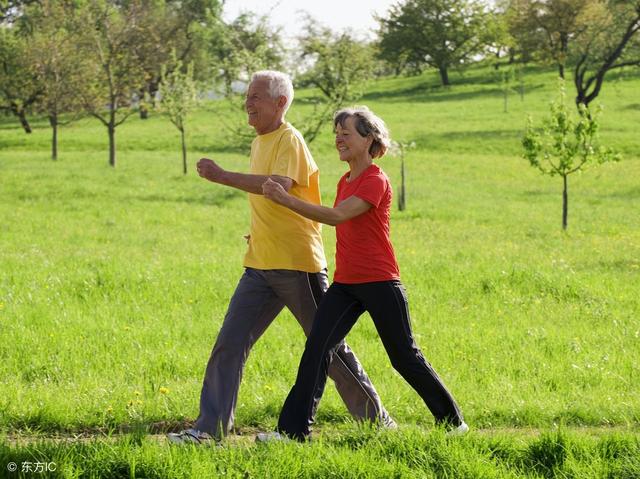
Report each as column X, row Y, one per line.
column 372, row 189
column 294, row 160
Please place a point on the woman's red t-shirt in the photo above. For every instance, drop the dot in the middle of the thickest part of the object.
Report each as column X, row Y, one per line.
column 364, row 253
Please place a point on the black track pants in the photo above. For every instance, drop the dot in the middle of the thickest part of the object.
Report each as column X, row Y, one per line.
column 338, row 311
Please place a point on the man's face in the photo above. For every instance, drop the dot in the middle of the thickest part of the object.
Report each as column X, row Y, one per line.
column 263, row 110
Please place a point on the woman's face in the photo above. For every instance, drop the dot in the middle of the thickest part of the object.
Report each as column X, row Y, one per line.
column 349, row 143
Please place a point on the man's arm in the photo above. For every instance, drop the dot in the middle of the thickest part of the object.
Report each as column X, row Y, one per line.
column 211, row 171
column 347, row 209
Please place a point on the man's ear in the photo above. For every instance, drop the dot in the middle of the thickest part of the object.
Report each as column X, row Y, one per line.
column 282, row 101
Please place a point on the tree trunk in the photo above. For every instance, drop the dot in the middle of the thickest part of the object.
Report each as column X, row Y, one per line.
column 53, row 121
column 444, row 75
column 564, row 48
column 144, row 112
column 594, row 81
column 506, row 98
column 184, row 152
column 112, row 144
column 565, row 203
column 19, row 112
column 401, row 199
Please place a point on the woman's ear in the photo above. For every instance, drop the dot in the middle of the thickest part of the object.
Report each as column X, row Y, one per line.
column 370, row 140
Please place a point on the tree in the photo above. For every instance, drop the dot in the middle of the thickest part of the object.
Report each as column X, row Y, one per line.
column 565, row 146
column 527, row 38
column 610, row 42
column 339, row 67
column 438, row 33
column 176, row 26
column 178, row 96
column 57, row 66
column 237, row 49
column 500, row 42
column 116, row 75
column 549, row 27
column 10, row 10
column 243, row 46
column 18, row 88
column 510, row 78
column 400, row 149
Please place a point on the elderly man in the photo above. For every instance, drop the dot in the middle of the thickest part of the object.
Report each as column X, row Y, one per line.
column 284, row 266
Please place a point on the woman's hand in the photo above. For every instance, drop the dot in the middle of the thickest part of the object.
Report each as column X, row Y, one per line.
column 274, row 191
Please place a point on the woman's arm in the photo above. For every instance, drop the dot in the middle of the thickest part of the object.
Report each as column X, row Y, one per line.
column 347, row 209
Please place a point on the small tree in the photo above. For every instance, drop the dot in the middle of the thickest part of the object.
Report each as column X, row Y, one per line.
column 510, row 78
column 340, row 67
column 565, row 146
column 399, row 149
column 178, row 96
column 58, row 67
column 115, row 74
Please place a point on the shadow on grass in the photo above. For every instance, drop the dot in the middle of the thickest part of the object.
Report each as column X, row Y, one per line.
column 422, row 94
column 538, row 193
column 630, row 194
column 617, row 266
column 427, row 93
column 12, row 123
column 36, row 426
column 473, row 140
column 207, row 200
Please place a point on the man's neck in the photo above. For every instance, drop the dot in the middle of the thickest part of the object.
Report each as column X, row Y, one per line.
column 272, row 127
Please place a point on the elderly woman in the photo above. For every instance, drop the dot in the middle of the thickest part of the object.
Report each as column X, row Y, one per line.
column 366, row 278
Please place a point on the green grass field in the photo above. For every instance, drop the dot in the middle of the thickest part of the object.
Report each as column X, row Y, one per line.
column 114, row 282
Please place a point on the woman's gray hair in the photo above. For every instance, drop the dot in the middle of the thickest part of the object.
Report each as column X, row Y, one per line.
column 367, row 123
column 279, row 85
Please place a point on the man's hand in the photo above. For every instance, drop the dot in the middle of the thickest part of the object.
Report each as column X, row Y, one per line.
column 210, row 170
column 274, row 191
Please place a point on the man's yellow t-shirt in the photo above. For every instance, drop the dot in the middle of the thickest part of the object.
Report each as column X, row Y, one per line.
column 280, row 238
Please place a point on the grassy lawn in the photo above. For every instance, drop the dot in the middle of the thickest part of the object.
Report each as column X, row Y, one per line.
column 114, row 283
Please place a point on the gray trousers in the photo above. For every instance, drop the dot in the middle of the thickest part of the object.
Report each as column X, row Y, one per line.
column 258, row 299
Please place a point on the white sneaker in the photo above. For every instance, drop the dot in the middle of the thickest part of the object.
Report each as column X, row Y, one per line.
column 272, row 436
column 461, row 430
column 189, row 436
column 389, row 423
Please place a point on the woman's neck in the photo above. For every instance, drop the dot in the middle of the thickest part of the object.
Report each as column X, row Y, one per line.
column 358, row 165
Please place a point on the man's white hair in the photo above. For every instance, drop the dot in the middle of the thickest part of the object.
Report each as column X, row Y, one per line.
column 279, row 85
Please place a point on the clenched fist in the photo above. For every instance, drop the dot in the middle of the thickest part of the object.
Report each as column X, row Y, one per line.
column 210, row 170
column 274, row 191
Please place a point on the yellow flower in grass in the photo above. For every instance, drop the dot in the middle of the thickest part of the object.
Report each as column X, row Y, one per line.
column 163, row 390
